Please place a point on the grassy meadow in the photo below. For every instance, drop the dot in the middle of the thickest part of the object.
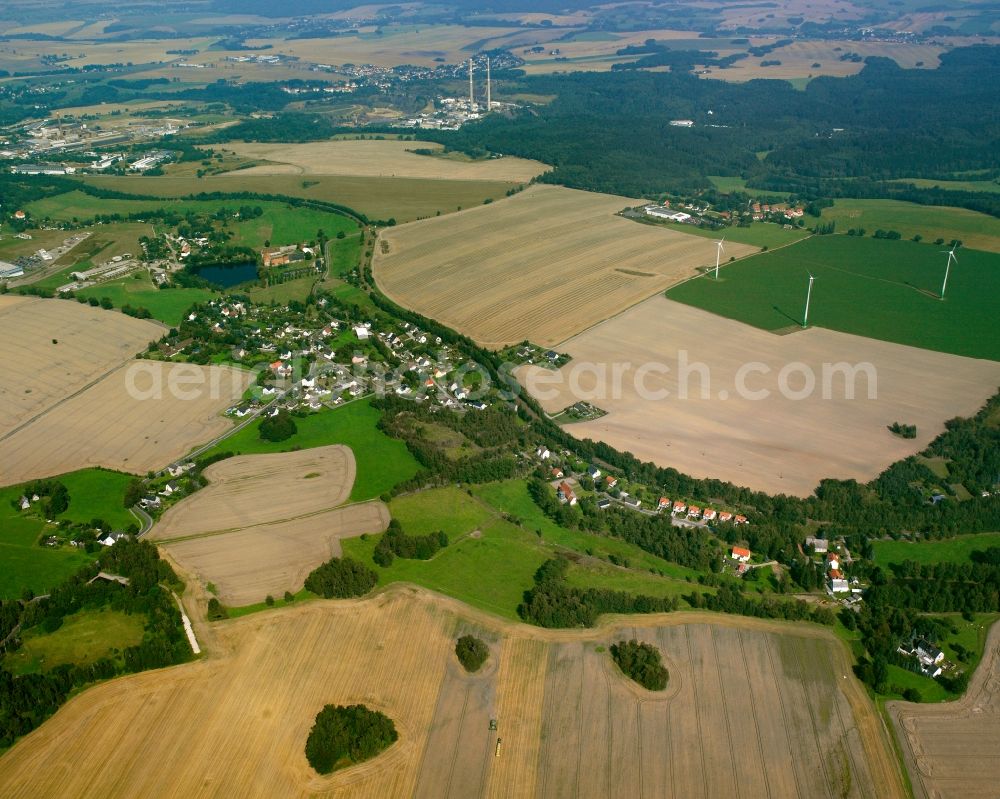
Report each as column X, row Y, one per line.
column 93, row 494
column 83, row 638
column 947, row 550
column 166, row 305
column 382, row 461
column 497, row 540
column 973, row 229
column 403, row 199
column 876, row 288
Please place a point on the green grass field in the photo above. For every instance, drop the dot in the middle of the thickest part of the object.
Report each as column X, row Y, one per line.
column 280, row 223
column 876, row 288
column 382, row 461
column 84, row 637
column 491, row 561
column 975, row 230
column 727, row 183
column 758, row 234
column 947, row 550
column 24, row 564
column 169, row 306
column 954, row 185
column 403, row 199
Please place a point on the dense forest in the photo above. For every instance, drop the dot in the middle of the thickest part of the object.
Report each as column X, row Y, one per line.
column 608, row 131
column 27, row 700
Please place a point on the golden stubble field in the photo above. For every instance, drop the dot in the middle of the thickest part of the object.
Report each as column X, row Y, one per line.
column 950, row 749
column 377, row 158
column 542, row 265
column 265, row 521
column 753, row 708
column 124, row 422
column 780, row 443
column 37, row 373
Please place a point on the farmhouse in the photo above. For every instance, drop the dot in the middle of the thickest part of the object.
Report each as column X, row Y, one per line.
column 929, row 656
column 566, row 494
column 660, row 212
column 741, row 554
column 818, row 545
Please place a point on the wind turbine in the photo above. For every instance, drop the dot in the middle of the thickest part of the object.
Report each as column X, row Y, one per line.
column 809, row 291
column 718, row 255
column 947, row 268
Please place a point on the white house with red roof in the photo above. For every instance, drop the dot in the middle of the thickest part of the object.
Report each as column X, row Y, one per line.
column 709, row 515
column 679, row 507
column 694, row 512
column 741, row 554
column 566, row 494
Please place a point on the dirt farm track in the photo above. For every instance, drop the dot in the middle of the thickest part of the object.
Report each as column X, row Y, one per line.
column 753, row 709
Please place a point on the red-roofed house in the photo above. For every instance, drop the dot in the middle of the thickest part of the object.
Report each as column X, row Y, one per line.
column 709, row 514
column 557, row 473
column 741, row 520
column 725, row 516
column 741, row 554
column 679, row 507
column 664, row 503
column 610, row 481
column 694, row 512
column 566, row 493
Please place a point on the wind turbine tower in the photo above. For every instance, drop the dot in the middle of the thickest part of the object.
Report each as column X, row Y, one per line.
column 718, row 255
column 947, row 268
column 472, row 97
column 489, row 98
column 809, row 291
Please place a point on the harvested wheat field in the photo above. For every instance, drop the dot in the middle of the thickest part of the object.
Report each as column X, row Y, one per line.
column 542, row 265
column 265, row 521
column 377, row 158
column 123, row 423
column 38, row 373
column 753, row 708
column 951, row 749
column 251, row 490
column 249, row 563
column 781, row 441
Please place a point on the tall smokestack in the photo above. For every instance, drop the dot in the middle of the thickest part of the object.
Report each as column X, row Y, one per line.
column 472, row 97
column 489, row 98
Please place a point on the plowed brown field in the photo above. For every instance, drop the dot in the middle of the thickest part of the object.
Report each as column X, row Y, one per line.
column 541, row 265
column 753, row 709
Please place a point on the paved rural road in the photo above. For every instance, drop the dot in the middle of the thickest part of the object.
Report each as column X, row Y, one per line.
column 145, row 520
